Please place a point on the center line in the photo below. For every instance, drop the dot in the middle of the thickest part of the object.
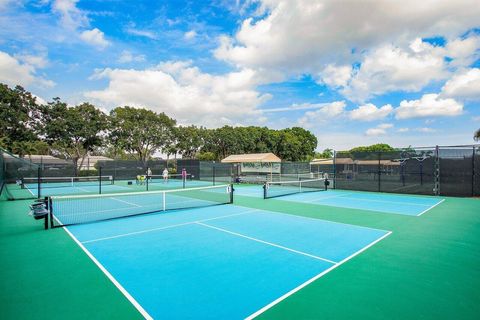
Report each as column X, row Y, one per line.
column 266, row 242
column 169, row 227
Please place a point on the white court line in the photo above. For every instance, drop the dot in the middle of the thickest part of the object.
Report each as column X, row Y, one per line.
column 31, row 191
column 266, row 242
column 109, row 276
column 430, row 208
column 286, row 295
column 170, row 226
column 388, row 201
column 130, row 203
column 324, row 198
column 373, row 200
column 315, row 219
column 82, row 189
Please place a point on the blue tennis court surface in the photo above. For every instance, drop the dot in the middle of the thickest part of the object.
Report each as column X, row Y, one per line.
column 119, row 186
column 47, row 192
column 379, row 202
column 220, row 262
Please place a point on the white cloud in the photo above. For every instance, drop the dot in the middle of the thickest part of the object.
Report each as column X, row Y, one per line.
column 336, row 76
column 126, row 57
column 184, row 92
column 13, row 72
column 141, row 33
column 70, row 16
column 38, row 61
column 379, row 130
column 324, row 113
column 429, row 105
column 95, row 37
column 370, row 112
column 305, row 35
column 425, row 130
column 39, row 99
column 390, row 68
column 402, row 130
column 295, row 106
column 190, row 35
column 463, row 51
column 464, row 85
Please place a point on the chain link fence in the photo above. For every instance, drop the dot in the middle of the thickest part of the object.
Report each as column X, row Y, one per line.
column 441, row 170
column 447, row 171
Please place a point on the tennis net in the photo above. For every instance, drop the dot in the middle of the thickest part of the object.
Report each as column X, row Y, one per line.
column 158, row 178
column 61, row 182
column 283, row 188
column 69, row 210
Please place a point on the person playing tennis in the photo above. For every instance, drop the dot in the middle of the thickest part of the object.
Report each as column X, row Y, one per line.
column 149, row 174
column 165, row 175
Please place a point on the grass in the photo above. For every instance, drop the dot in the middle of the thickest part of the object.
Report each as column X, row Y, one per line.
column 429, row 268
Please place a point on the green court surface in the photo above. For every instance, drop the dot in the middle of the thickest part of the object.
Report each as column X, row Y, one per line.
column 428, row 268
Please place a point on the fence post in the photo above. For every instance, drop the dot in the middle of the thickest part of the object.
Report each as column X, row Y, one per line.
column 473, row 171
column 99, row 180
column 213, row 174
column 334, row 169
column 379, row 170
column 39, row 182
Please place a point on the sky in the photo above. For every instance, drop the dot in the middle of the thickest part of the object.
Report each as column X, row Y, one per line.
column 406, row 73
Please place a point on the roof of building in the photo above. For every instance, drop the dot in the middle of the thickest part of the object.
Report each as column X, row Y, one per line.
column 351, row 161
column 252, row 157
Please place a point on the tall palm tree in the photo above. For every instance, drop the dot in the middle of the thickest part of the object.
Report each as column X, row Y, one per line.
column 476, row 137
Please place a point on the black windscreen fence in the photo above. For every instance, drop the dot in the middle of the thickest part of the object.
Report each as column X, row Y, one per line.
column 448, row 171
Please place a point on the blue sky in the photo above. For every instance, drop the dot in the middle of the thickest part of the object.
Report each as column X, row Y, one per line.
column 354, row 73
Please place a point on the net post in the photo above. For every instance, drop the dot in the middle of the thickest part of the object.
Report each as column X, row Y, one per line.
column 100, row 180
column 39, row 187
column 50, row 210
column 48, row 214
column 213, row 174
column 231, row 193
column 265, row 190
column 147, row 177
column 164, row 201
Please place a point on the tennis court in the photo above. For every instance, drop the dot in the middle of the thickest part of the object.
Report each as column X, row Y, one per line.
column 200, row 256
column 190, row 262
column 379, row 202
column 55, row 186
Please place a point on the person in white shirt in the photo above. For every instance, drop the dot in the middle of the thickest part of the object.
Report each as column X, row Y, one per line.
column 165, row 175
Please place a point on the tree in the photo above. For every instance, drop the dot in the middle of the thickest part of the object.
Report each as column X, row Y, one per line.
column 326, row 154
column 18, row 111
column 476, row 136
column 379, row 147
column 289, row 146
column 308, row 142
column 140, row 132
column 73, row 131
column 206, row 156
column 189, row 141
column 222, row 142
